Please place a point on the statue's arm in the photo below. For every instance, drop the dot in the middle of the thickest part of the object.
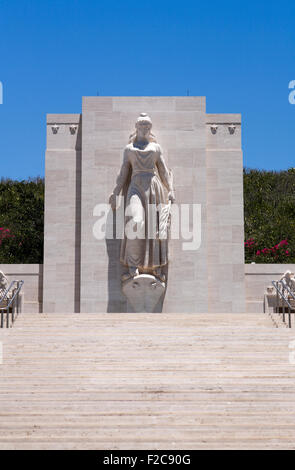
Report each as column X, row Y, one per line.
column 121, row 179
column 122, row 176
column 165, row 175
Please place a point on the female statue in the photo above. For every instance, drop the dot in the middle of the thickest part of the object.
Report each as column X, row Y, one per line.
column 146, row 184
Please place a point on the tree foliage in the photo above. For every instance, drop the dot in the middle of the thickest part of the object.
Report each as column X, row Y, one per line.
column 269, row 212
column 21, row 221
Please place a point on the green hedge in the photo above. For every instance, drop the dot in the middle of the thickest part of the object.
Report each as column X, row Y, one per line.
column 21, row 221
column 269, row 205
column 269, row 202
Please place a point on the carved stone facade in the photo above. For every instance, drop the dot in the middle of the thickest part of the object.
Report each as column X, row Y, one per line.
column 82, row 273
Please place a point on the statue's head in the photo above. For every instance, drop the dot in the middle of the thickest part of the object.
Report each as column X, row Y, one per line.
column 143, row 128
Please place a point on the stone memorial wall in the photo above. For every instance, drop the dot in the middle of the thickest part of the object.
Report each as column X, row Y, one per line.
column 84, row 155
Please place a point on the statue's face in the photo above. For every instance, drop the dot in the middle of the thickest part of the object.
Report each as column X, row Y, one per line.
column 143, row 129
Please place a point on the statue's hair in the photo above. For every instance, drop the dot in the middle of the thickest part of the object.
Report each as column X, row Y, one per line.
column 143, row 117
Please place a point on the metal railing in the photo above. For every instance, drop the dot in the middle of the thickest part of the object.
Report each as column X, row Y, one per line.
column 10, row 304
column 283, row 301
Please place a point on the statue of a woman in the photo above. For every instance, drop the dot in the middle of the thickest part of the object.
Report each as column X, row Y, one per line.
column 146, row 184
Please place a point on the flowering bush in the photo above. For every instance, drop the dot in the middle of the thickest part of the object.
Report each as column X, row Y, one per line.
column 278, row 253
column 4, row 234
column 269, row 215
column 21, row 221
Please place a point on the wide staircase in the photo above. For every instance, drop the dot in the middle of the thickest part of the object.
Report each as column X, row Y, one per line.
column 149, row 381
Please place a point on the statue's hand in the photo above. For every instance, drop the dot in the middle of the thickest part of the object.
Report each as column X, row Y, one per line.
column 171, row 196
column 112, row 201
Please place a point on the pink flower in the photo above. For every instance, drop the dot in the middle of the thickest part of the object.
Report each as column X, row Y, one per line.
column 258, row 252
column 5, row 233
column 283, row 242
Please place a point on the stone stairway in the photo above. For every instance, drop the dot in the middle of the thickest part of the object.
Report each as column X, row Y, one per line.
column 146, row 381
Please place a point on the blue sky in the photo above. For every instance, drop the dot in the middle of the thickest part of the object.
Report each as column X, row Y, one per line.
column 240, row 55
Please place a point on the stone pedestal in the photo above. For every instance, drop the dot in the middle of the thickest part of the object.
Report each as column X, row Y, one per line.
column 144, row 293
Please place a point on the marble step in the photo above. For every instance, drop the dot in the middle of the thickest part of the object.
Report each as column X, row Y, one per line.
column 146, row 382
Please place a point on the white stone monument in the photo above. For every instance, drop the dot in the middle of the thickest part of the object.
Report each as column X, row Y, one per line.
column 84, row 153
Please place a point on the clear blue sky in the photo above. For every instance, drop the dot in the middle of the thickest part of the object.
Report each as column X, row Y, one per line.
column 240, row 55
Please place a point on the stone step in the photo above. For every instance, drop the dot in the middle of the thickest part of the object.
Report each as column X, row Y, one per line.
column 204, row 373
column 78, row 444
column 149, row 406
column 159, row 433
column 203, row 444
column 221, row 393
column 241, row 384
column 173, row 419
column 152, row 319
column 158, row 381
column 225, row 333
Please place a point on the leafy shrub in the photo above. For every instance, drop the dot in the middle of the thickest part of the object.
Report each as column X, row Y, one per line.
column 21, row 221
column 269, row 212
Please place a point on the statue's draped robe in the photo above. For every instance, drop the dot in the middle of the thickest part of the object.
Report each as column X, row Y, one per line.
column 148, row 182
